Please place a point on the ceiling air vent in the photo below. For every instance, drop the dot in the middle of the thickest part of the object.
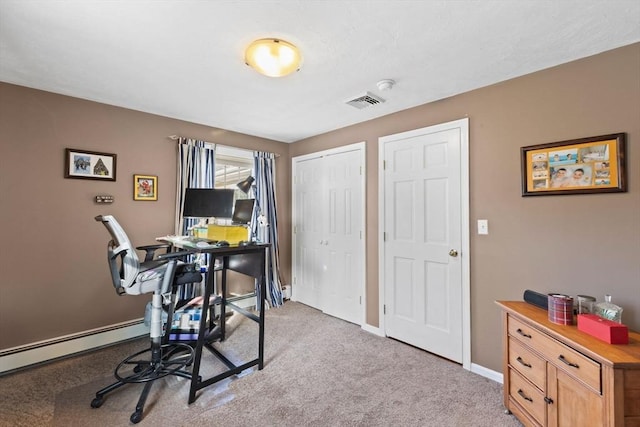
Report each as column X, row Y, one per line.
column 364, row 101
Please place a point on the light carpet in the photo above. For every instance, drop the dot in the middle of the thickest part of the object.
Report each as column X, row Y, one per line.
column 319, row 371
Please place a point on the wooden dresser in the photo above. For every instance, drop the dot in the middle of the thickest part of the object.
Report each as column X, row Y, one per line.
column 556, row 375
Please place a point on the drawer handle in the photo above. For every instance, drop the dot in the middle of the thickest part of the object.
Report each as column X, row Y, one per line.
column 548, row 400
column 524, row 396
column 522, row 362
column 522, row 333
column 566, row 362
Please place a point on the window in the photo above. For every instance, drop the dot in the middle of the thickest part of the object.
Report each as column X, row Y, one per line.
column 232, row 166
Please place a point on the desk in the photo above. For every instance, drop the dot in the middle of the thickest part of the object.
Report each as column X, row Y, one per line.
column 248, row 260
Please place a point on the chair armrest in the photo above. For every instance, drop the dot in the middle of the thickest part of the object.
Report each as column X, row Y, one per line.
column 172, row 255
column 150, row 250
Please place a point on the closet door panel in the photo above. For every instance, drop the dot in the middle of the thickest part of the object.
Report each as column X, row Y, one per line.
column 342, row 293
column 308, row 272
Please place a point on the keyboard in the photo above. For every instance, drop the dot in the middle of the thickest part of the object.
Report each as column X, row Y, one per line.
column 172, row 238
column 191, row 239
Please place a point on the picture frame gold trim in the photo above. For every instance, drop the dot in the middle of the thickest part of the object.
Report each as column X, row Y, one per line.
column 595, row 164
column 145, row 187
column 83, row 164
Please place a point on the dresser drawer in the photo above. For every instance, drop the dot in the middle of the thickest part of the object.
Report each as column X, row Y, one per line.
column 563, row 357
column 526, row 334
column 575, row 364
column 531, row 366
column 527, row 396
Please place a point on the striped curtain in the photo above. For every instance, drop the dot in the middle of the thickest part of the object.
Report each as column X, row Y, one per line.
column 266, row 229
column 196, row 169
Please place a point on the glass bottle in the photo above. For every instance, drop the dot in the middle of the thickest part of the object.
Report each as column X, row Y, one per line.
column 585, row 304
column 608, row 310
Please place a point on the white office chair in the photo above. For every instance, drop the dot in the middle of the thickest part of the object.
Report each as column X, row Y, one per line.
column 159, row 276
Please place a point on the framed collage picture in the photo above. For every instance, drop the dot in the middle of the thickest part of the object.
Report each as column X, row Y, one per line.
column 578, row 166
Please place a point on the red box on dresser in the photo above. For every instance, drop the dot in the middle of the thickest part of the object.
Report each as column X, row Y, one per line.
column 606, row 330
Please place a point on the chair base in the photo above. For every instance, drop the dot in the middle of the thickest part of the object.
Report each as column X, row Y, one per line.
column 146, row 366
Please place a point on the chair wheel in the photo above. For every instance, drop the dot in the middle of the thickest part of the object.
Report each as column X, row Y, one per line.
column 136, row 417
column 97, row 402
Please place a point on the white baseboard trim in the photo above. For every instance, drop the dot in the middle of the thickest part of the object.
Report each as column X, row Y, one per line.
column 44, row 351
column 487, row 373
column 373, row 330
column 476, row 369
column 19, row 357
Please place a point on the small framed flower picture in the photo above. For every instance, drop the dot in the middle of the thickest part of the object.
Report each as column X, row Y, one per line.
column 145, row 187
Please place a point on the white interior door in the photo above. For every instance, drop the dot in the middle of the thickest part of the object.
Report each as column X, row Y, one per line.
column 328, row 231
column 343, row 263
column 308, row 232
column 422, row 249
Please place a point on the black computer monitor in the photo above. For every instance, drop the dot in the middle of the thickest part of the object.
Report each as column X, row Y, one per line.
column 242, row 211
column 208, row 202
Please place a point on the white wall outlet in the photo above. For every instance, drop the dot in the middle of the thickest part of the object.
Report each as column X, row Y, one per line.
column 483, row 226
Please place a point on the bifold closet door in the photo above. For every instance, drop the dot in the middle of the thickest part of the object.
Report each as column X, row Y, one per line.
column 343, row 255
column 308, row 232
column 328, row 231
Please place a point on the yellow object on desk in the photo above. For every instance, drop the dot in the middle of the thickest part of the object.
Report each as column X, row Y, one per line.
column 231, row 233
column 201, row 232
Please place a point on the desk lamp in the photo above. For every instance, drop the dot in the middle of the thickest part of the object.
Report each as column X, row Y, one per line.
column 246, row 184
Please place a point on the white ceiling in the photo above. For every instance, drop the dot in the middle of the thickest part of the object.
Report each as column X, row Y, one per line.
column 184, row 59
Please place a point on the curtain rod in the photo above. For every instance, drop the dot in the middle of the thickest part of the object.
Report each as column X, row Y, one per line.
column 176, row 138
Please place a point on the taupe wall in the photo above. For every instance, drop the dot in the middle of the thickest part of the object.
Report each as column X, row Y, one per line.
column 53, row 277
column 580, row 244
column 53, row 271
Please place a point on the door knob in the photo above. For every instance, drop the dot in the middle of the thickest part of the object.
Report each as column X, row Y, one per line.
column 453, row 253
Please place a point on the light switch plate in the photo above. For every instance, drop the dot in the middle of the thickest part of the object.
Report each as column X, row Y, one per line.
column 483, row 226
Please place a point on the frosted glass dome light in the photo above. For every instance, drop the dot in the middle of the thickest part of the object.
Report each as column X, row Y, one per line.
column 273, row 57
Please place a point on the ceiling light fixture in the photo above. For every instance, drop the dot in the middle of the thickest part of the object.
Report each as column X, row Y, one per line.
column 273, row 57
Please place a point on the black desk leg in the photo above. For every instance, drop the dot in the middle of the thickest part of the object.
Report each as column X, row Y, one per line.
column 223, row 301
column 261, row 325
column 204, row 325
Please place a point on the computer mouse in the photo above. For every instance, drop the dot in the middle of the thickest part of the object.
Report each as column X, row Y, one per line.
column 203, row 244
column 222, row 243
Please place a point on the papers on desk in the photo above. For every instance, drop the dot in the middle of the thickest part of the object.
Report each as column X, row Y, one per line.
column 188, row 241
column 174, row 239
